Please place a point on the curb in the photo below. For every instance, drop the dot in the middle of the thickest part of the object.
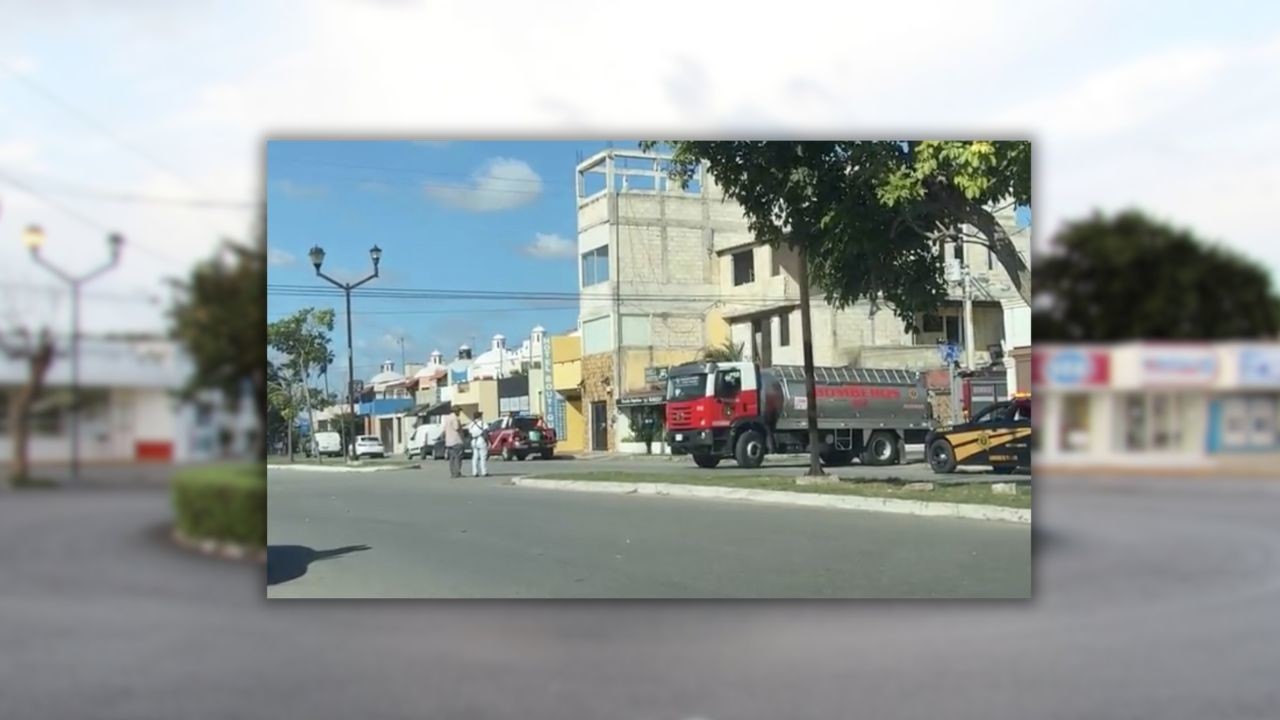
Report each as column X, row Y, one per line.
column 218, row 548
column 345, row 469
column 841, row 502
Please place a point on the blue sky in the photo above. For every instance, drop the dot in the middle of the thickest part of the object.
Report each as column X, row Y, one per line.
column 449, row 216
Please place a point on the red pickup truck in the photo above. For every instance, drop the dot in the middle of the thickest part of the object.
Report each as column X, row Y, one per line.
column 521, row 436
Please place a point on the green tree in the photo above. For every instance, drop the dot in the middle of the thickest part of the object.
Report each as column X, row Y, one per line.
column 303, row 340
column 1129, row 277
column 217, row 318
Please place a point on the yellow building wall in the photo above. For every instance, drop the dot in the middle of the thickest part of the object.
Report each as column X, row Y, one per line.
column 575, row 426
column 634, row 363
column 717, row 329
column 480, row 395
column 566, row 362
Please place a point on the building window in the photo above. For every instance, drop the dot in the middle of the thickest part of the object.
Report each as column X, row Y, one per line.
column 1075, row 423
column 775, row 268
column 958, row 252
column 784, row 330
column 744, row 268
column 932, row 323
column 595, row 266
column 1152, row 422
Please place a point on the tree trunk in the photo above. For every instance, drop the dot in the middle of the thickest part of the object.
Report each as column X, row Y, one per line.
column 311, row 414
column 806, row 341
column 259, row 379
column 38, row 359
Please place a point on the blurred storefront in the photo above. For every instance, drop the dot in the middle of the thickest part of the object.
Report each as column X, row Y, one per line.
column 1183, row 405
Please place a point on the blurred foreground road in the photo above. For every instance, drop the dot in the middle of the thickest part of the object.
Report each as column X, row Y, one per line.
column 1153, row 600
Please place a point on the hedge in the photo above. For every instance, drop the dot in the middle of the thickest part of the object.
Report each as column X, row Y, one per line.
column 222, row 502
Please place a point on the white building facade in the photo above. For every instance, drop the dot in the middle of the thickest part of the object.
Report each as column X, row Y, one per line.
column 1175, row 405
column 131, row 408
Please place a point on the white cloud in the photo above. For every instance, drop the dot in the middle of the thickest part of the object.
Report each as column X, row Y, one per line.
column 550, row 247
column 280, row 258
column 502, row 184
column 299, row 190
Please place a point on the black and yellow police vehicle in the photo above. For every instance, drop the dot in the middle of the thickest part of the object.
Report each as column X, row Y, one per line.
column 999, row 436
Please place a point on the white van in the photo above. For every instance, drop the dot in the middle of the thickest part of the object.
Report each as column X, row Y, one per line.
column 329, row 443
column 423, row 438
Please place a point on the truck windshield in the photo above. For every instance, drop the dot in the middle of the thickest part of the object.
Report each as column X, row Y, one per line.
column 687, row 387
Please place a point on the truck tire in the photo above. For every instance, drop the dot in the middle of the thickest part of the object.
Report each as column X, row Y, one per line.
column 837, row 458
column 942, row 457
column 749, row 450
column 882, row 449
column 548, row 454
column 506, row 454
column 705, row 461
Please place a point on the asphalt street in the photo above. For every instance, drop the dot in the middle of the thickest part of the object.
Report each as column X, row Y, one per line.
column 1152, row 599
column 419, row 534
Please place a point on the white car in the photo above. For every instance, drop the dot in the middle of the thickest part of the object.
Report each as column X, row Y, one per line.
column 368, row 446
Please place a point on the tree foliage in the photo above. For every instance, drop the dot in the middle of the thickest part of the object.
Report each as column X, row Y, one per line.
column 1131, row 277
column 728, row 351
column 218, row 316
column 870, row 215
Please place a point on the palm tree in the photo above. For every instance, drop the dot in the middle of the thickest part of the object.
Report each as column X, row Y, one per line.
column 724, row 352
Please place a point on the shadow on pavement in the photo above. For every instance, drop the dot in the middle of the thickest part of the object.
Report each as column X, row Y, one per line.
column 290, row 562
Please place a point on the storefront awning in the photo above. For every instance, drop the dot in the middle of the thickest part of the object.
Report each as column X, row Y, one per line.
column 439, row 408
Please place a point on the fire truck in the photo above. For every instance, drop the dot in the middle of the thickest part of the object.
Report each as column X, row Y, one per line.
column 738, row 410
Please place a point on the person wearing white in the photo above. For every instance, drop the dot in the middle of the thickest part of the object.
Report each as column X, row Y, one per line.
column 479, row 447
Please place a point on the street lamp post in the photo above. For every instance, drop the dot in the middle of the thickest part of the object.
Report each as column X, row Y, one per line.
column 33, row 238
column 317, row 259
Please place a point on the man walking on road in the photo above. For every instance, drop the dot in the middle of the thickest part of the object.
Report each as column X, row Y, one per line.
column 479, row 446
column 453, row 442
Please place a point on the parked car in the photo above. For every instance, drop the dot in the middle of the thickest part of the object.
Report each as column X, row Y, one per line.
column 368, row 446
column 437, row 447
column 517, row 437
column 421, row 441
column 328, row 444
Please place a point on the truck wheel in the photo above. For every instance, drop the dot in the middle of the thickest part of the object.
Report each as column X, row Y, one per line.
column 942, row 457
column 521, row 456
column 705, row 461
column 506, row 454
column 548, row 454
column 1004, row 469
column 882, row 449
column 749, row 450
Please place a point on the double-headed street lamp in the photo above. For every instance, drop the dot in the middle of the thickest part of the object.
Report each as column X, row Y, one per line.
column 317, row 259
column 33, row 238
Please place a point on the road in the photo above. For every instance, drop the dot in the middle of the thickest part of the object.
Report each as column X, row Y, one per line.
column 1153, row 599
column 420, row 534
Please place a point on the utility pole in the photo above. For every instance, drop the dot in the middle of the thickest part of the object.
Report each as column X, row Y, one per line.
column 34, row 239
column 968, row 317
column 317, row 259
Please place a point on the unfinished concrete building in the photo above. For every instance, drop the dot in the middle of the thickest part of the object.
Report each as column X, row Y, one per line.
column 648, row 279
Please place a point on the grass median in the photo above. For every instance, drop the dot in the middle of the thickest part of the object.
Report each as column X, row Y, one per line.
column 967, row 493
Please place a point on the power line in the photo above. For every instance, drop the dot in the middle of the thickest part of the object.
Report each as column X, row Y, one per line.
column 75, row 190
column 81, row 217
column 92, row 122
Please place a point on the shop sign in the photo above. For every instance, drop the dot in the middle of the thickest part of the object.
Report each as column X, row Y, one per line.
column 1070, row 368
column 1260, row 366
column 1179, row 367
column 634, row 400
column 655, row 375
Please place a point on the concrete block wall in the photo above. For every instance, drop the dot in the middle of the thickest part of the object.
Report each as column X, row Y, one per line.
column 597, row 375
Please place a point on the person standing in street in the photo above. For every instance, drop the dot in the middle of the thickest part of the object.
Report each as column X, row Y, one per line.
column 479, row 446
column 453, row 442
